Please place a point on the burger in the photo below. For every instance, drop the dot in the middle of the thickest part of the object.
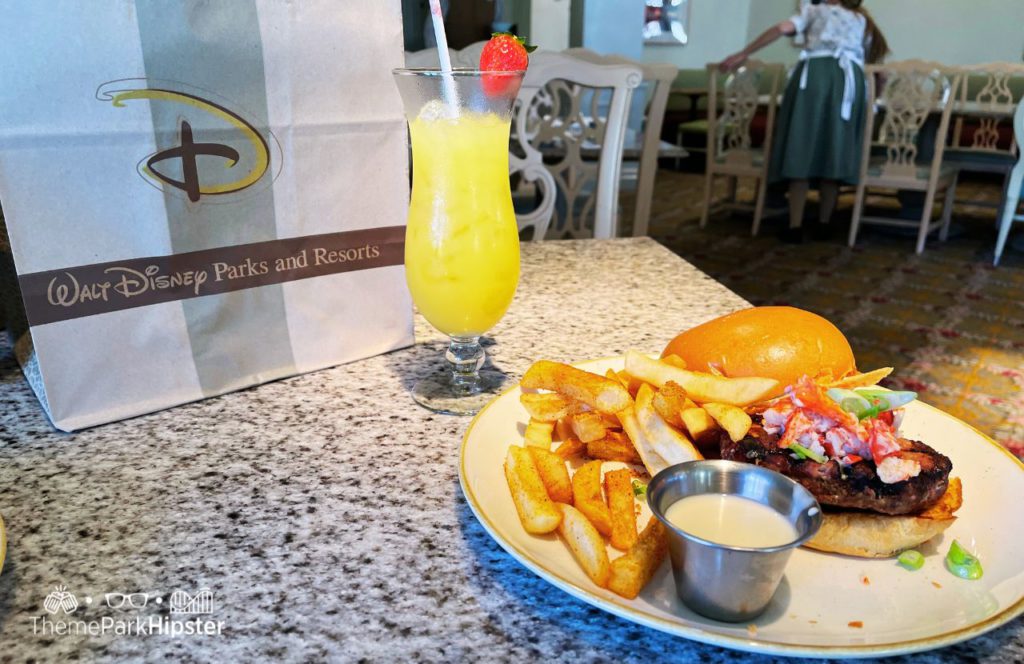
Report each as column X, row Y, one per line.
column 784, row 343
column 880, row 492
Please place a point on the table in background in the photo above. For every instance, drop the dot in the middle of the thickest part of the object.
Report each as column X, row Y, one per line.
column 324, row 512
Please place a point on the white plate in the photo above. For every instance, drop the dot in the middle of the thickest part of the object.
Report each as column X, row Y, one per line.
column 821, row 594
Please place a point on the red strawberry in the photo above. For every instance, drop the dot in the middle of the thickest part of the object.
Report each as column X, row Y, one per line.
column 504, row 52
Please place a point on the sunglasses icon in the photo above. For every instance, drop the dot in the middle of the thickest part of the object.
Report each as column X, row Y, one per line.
column 119, row 600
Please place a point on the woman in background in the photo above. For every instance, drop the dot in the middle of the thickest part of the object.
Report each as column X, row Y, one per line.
column 820, row 130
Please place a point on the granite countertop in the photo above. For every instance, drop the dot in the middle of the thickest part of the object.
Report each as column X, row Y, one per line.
column 323, row 512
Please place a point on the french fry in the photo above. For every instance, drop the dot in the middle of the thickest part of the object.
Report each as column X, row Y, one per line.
column 667, row 412
column 676, row 395
column 588, row 426
column 537, row 511
column 571, row 447
column 611, row 374
column 548, row 406
column 632, row 571
column 861, row 380
column 669, row 401
column 670, row 445
column 618, row 434
column 538, row 434
column 586, row 494
column 613, row 447
column 596, row 391
column 675, row 361
column 585, row 543
column 699, row 424
column 563, row 429
column 611, row 422
column 735, row 422
column 631, row 384
column 553, row 473
column 618, row 486
column 702, row 387
column 651, row 459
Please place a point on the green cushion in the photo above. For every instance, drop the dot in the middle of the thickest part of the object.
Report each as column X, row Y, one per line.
column 694, row 127
column 689, row 79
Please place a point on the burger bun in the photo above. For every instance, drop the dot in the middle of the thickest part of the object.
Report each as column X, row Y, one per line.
column 783, row 343
column 868, row 535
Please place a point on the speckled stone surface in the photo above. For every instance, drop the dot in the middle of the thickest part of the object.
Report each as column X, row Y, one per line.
column 324, row 511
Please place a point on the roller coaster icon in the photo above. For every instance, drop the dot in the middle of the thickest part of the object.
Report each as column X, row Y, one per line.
column 200, row 603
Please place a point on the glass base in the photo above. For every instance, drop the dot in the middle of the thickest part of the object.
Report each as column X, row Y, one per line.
column 441, row 395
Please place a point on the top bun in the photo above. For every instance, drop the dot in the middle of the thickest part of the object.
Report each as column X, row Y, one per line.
column 783, row 343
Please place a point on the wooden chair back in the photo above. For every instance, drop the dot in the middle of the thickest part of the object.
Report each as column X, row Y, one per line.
column 732, row 105
column 987, row 100
column 909, row 92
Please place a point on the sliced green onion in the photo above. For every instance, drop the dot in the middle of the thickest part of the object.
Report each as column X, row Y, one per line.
column 866, row 403
column 639, row 489
column 963, row 564
column 806, row 453
column 849, row 401
column 912, row 560
column 891, row 398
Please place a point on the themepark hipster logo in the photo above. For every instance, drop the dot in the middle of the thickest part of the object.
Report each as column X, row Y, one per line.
column 188, row 615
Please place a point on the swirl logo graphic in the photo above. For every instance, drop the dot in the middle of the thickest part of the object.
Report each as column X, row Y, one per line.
column 210, row 150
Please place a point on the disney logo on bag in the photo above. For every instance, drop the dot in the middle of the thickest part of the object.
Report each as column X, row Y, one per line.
column 209, row 150
column 66, row 290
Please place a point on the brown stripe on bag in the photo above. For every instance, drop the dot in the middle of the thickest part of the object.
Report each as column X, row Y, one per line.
column 87, row 290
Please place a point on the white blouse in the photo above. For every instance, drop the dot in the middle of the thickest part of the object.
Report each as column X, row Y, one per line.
column 828, row 27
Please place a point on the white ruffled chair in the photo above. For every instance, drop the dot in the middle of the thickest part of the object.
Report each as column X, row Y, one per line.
column 641, row 158
column 1014, row 188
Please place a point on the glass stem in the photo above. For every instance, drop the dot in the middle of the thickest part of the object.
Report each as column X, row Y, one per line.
column 465, row 357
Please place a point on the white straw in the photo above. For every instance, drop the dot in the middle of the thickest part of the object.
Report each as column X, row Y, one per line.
column 447, row 80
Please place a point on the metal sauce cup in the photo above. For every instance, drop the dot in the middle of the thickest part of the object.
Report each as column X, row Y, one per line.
column 729, row 583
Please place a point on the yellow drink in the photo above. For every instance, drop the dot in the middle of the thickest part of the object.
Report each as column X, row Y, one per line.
column 462, row 242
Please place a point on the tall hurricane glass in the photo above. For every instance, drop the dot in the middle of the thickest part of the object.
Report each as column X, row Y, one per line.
column 462, row 242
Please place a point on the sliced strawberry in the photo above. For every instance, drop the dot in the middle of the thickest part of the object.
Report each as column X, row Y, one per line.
column 504, row 52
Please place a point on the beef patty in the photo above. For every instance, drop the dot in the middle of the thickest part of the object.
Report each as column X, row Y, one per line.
column 856, row 486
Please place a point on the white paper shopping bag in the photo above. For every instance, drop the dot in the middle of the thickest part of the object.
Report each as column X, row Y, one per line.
column 200, row 196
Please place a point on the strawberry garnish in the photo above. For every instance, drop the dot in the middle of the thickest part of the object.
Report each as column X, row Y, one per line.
column 504, row 52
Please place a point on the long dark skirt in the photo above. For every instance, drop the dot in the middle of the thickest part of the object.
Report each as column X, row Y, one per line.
column 812, row 141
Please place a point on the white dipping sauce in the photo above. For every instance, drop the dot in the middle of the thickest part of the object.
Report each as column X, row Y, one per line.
column 731, row 521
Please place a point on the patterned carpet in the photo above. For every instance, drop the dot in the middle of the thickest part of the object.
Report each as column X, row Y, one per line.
column 951, row 324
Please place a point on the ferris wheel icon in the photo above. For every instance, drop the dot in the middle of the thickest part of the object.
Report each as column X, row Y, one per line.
column 200, row 603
